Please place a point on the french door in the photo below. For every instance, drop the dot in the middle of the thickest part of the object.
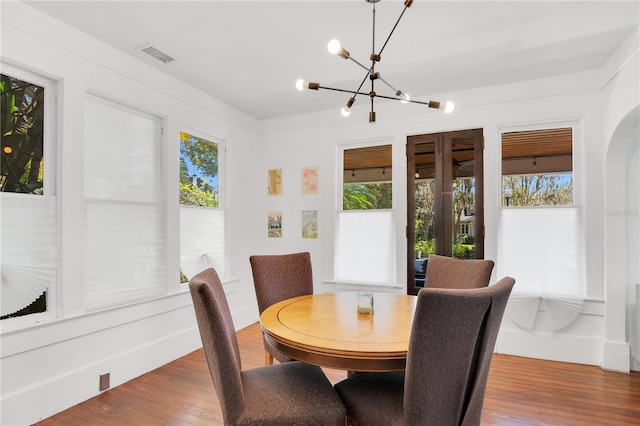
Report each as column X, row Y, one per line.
column 444, row 199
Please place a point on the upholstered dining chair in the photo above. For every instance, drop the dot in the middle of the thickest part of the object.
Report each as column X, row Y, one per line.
column 279, row 277
column 450, row 350
column 293, row 393
column 449, row 272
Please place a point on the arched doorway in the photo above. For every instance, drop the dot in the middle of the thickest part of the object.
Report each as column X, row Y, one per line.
column 622, row 236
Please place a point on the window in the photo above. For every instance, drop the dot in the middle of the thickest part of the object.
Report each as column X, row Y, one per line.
column 23, row 105
column 365, row 248
column 29, row 222
column 203, row 240
column 199, row 184
column 367, row 178
column 540, row 225
column 124, row 208
column 537, row 167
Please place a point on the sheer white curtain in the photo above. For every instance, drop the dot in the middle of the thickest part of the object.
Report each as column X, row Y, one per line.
column 125, row 220
column 365, row 251
column 541, row 247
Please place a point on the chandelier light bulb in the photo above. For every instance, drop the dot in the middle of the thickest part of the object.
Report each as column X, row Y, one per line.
column 448, row 107
column 300, row 84
column 406, row 98
column 345, row 111
column 334, row 46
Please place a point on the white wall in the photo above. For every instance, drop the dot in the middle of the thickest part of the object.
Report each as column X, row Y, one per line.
column 53, row 365
column 293, row 141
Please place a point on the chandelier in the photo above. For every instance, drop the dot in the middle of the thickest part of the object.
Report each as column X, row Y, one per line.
column 336, row 48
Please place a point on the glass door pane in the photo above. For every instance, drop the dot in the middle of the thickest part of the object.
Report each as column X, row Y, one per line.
column 444, row 199
column 463, row 198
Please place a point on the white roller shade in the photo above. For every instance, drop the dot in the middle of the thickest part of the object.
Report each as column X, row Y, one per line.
column 29, row 249
column 203, row 241
column 124, row 253
column 541, row 248
column 125, row 220
column 365, row 251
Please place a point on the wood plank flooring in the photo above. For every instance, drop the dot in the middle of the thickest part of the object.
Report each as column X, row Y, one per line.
column 520, row 392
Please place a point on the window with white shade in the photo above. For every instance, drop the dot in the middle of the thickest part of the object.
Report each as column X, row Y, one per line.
column 540, row 225
column 29, row 207
column 203, row 223
column 365, row 244
column 124, row 208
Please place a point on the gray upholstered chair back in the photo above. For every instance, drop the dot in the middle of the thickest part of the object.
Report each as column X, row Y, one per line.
column 279, row 277
column 218, row 340
column 450, row 350
column 292, row 393
column 449, row 272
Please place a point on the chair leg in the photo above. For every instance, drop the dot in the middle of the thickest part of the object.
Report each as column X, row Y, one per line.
column 268, row 358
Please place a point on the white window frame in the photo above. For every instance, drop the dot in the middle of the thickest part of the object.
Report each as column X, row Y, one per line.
column 50, row 190
column 194, row 254
column 50, row 120
column 380, row 268
column 576, row 148
column 535, row 284
column 145, row 274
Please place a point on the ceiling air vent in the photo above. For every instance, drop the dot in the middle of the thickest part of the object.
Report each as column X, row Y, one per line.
column 161, row 56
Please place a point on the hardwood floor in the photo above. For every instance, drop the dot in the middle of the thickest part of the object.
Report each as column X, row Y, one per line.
column 520, row 391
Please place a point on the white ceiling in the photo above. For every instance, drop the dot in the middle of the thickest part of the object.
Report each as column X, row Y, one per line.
column 250, row 53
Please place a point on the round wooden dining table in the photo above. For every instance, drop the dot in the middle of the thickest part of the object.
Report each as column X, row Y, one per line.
column 326, row 329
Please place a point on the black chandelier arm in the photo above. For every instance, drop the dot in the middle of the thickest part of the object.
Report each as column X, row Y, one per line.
column 430, row 104
column 376, row 76
column 373, row 26
column 358, row 92
column 366, row 68
column 341, row 90
column 407, row 4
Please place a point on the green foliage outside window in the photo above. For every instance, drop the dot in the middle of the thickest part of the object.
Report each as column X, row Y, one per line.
column 199, row 184
column 551, row 189
column 366, row 196
column 22, row 121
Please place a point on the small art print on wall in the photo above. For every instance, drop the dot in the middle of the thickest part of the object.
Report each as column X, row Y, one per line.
column 309, row 224
column 275, row 182
column 309, row 180
column 274, row 224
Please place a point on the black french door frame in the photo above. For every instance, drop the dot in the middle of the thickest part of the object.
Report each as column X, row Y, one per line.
column 444, row 148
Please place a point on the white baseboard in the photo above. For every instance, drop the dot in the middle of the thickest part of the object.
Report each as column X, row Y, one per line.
column 29, row 405
column 575, row 349
column 617, row 356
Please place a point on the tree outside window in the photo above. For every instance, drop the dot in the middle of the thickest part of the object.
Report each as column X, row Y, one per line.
column 551, row 189
column 537, row 168
column 22, row 118
column 202, row 229
column 367, row 182
column 198, row 171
